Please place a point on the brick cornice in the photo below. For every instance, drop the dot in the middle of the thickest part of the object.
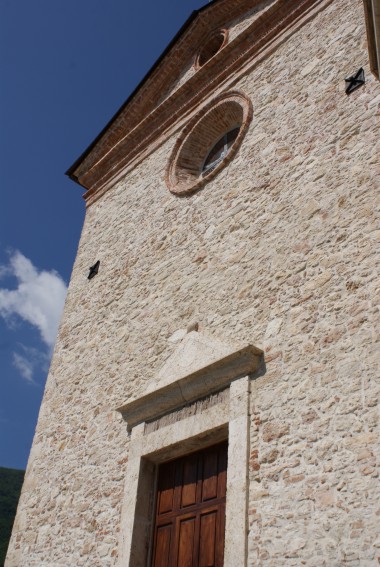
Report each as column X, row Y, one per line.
column 98, row 174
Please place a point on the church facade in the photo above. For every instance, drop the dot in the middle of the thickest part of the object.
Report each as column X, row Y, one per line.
column 213, row 397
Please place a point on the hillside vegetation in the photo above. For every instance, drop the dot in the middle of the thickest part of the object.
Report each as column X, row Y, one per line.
column 10, row 487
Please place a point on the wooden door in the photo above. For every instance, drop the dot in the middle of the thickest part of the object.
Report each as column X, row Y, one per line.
column 190, row 510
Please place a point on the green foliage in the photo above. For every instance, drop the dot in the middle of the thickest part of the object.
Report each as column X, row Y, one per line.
column 10, row 487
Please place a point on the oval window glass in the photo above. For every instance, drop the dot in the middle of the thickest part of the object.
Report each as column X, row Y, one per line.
column 219, row 151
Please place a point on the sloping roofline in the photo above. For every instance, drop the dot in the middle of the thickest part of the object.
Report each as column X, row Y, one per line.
column 147, row 117
column 185, row 26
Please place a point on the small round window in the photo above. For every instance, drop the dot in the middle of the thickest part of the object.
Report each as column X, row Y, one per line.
column 211, row 47
column 208, row 142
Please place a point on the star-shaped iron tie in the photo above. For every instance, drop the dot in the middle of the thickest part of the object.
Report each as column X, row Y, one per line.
column 94, row 270
column 355, row 81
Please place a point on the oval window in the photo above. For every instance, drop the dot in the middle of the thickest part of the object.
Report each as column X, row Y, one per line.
column 219, row 151
column 208, row 142
column 211, row 47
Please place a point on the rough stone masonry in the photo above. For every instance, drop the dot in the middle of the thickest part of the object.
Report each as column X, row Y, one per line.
column 279, row 250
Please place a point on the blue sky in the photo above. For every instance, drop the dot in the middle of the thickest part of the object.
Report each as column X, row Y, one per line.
column 66, row 67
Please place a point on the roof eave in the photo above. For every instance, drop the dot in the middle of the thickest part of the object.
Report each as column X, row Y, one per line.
column 70, row 172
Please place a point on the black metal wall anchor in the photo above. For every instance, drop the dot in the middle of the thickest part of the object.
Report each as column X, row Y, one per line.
column 94, row 270
column 355, row 81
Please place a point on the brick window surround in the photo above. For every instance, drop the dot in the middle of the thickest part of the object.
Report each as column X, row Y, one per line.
column 211, row 47
column 222, row 114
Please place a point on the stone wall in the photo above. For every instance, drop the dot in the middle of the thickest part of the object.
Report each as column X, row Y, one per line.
column 279, row 250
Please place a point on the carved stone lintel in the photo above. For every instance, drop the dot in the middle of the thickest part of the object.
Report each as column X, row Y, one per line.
column 206, row 372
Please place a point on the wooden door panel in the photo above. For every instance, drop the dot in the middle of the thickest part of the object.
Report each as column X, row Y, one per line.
column 190, row 510
column 162, row 546
column 185, row 557
column 207, row 537
column 189, row 481
column 222, row 473
column 219, row 544
column 166, row 486
column 210, row 476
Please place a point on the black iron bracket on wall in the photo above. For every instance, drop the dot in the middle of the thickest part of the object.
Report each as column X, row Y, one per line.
column 94, row 270
column 355, row 81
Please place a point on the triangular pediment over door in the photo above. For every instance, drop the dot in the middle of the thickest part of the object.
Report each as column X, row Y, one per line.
column 201, row 365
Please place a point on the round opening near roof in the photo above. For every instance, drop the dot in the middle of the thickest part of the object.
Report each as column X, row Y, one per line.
column 211, row 47
column 208, row 142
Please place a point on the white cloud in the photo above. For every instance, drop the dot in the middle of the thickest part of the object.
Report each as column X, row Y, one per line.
column 24, row 366
column 38, row 299
column 29, row 360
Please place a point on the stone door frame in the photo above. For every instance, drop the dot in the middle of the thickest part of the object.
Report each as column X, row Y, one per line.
column 199, row 397
column 228, row 419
